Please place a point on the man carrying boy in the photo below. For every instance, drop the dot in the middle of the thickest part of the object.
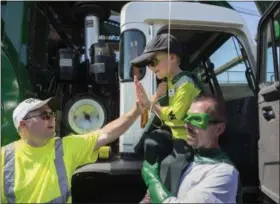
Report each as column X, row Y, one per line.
column 211, row 177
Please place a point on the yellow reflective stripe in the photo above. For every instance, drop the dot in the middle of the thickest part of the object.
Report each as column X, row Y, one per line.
column 9, row 173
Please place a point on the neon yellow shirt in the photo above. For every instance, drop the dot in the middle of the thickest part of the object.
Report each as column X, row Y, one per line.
column 35, row 174
column 181, row 92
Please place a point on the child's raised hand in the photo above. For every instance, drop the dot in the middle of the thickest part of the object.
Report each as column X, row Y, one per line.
column 141, row 93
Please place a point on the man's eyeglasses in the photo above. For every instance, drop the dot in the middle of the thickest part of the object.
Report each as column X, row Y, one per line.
column 200, row 120
column 46, row 115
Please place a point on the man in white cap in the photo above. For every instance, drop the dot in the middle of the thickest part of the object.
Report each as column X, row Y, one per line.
column 38, row 167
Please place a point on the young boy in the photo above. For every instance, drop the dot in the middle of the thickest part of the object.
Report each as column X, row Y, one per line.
column 170, row 147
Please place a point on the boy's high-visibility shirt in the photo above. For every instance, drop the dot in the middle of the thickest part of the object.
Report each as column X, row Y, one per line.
column 181, row 92
column 35, row 174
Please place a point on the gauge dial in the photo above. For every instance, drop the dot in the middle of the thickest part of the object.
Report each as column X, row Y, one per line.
column 85, row 115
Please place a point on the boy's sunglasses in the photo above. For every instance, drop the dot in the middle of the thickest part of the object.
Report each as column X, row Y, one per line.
column 46, row 115
column 200, row 120
column 156, row 60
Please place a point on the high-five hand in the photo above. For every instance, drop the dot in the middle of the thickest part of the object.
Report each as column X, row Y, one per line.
column 141, row 93
column 139, row 104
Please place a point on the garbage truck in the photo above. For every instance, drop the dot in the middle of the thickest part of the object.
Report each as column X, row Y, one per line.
column 75, row 52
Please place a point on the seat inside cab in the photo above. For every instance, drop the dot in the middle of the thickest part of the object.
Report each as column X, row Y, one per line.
column 240, row 139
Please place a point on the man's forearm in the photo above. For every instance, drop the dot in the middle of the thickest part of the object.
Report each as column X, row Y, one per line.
column 116, row 128
column 120, row 125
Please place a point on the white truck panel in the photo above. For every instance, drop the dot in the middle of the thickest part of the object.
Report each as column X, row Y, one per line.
column 151, row 17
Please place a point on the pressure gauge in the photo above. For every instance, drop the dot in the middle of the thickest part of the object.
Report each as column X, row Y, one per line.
column 84, row 114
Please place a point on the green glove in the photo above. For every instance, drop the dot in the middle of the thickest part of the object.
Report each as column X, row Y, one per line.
column 158, row 191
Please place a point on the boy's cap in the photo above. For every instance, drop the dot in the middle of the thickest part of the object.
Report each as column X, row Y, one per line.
column 160, row 43
column 31, row 104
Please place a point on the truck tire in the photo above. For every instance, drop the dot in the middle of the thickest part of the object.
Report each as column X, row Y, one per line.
column 85, row 113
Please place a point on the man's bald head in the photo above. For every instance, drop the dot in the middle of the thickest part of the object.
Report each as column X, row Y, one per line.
column 208, row 136
column 214, row 106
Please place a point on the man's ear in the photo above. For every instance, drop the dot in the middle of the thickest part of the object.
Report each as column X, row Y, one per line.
column 221, row 128
column 22, row 124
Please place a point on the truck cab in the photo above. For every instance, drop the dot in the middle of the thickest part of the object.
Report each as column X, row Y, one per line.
column 217, row 47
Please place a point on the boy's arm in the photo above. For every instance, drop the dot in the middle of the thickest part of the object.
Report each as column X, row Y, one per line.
column 160, row 92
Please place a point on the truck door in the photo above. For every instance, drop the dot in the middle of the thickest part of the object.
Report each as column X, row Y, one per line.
column 268, row 64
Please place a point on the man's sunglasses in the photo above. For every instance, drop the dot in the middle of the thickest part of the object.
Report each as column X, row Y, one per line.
column 200, row 120
column 46, row 115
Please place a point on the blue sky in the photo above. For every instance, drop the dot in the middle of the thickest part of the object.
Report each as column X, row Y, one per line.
column 252, row 19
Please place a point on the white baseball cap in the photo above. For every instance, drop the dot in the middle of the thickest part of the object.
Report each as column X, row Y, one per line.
column 28, row 105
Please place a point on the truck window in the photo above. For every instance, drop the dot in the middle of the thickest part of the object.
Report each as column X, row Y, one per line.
column 40, row 32
column 3, row 9
column 230, row 70
column 11, row 18
column 271, row 53
column 132, row 44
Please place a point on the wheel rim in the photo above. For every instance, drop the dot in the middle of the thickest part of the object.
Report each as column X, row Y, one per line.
column 86, row 115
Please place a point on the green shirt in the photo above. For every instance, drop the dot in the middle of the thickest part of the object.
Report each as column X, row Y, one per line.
column 181, row 92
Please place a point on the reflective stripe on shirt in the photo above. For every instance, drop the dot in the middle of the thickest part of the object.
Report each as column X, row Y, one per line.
column 182, row 80
column 9, row 173
column 61, row 171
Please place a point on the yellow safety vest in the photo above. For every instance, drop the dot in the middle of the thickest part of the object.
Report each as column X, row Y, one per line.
column 44, row 174
column 9, row 173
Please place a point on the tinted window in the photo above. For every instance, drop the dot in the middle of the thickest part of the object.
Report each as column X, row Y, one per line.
column 132, row 44
column 271, row 47
column 270, row 74
column 3, row 9
column 11, row 23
